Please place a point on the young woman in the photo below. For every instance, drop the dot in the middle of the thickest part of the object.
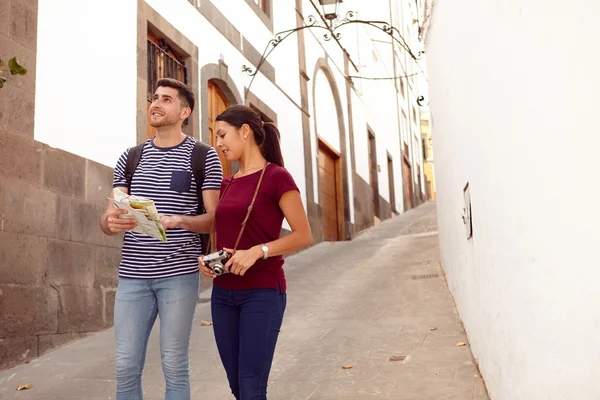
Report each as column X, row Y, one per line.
column 248, row 302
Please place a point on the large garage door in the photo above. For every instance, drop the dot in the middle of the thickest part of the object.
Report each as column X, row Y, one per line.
column 328, row 196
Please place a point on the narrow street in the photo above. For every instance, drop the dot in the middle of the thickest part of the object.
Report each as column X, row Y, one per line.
column 378, row 304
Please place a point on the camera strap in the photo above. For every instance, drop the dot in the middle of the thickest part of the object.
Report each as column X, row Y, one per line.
column 213, row 233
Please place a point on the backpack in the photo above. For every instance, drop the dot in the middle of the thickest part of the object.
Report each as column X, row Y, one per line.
column 199, row 153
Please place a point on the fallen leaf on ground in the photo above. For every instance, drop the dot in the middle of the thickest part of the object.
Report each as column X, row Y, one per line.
column 461, row 344
column 347, row 366
column 24, row 387
column 433, row 329
column 205, row 323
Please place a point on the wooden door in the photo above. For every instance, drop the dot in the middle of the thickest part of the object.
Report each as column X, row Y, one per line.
column 390, row 165
column 217, row 103
column 419, row 187
column 407, row 184
column 329, row 193
column 373, row 174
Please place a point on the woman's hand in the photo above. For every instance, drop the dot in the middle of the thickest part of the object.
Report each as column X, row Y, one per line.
column 170, row 221
column 242, row 260
column 204, row 270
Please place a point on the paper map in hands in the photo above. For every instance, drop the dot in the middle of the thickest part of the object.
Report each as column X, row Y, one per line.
column 144, row 211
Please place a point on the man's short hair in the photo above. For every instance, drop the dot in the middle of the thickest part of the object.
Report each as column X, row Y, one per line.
column 186, row 96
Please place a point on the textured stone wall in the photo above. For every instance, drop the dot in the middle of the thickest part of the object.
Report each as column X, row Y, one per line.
column 363, row 205
column 385, row 209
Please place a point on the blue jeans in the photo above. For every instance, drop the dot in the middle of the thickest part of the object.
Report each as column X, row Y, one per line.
column 246, row 326
column 137, row 303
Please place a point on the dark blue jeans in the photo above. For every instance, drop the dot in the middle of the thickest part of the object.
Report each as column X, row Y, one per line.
column 246, row 325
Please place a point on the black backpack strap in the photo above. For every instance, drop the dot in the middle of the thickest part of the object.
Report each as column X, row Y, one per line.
column 133, row 159
column 199, row 153
column 198, row 164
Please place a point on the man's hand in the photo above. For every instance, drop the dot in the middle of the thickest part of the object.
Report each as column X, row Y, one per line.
column 117, row 225
column 242, row 260
column 171, row 222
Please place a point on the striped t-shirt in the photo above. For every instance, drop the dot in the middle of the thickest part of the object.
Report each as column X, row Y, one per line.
column 165, row 176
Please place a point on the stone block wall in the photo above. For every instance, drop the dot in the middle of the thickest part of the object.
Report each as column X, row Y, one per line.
column 58, row 272
column 385, row 209
column 363, row 205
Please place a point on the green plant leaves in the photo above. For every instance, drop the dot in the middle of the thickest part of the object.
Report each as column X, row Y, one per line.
column 16, row 68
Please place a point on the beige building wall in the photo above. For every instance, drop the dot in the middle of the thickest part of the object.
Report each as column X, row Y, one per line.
column 428, row 154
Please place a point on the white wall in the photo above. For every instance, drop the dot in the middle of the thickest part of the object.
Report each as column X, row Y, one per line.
column 85, row 77
column 516, row 116
column 326, row 120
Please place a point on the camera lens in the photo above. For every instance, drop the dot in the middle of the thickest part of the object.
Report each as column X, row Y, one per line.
column 218, row 269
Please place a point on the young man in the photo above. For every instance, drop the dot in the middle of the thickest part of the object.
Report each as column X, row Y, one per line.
column 161, row 278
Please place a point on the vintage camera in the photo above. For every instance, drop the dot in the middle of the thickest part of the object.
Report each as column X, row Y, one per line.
column 216, row 261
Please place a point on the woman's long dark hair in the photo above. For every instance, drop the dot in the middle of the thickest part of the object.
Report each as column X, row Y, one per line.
column 266, row 134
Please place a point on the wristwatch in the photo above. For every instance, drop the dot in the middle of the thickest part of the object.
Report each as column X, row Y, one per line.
column 265, row 250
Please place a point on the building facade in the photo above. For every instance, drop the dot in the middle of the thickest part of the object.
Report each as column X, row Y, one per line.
column 428, row 167
column 346, row 107
column 514, row 98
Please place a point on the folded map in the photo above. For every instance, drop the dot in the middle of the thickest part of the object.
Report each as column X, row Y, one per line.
column 144, row 211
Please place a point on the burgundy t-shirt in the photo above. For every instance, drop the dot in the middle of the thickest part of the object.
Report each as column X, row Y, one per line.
column 264, row 225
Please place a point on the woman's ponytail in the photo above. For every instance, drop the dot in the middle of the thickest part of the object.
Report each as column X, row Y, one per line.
column 270, row 146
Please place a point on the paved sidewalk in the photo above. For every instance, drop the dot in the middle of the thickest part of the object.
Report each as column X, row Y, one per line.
column 362, row 303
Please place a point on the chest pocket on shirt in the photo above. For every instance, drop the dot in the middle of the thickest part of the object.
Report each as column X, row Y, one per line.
column 181, row 181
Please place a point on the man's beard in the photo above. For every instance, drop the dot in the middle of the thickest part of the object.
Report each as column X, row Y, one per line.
column 164, row 121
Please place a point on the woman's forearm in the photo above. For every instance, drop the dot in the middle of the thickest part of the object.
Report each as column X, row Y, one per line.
column 285, row 245
column 197, row 223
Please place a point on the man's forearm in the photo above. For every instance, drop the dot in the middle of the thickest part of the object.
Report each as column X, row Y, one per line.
column 198, row 223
